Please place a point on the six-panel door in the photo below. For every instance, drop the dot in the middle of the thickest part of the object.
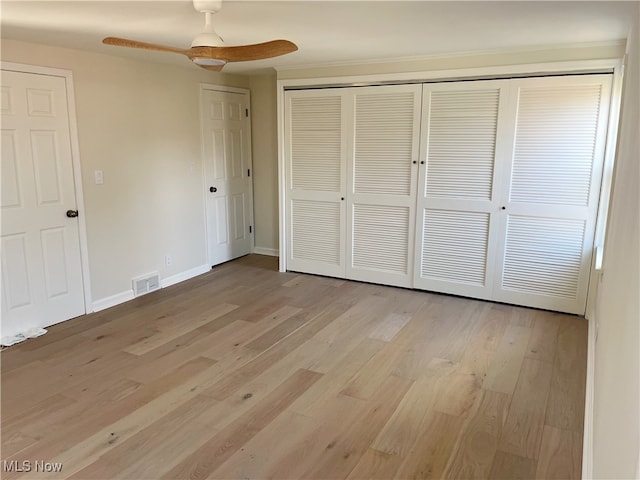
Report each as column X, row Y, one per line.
column 41, row 267
column 227, row 169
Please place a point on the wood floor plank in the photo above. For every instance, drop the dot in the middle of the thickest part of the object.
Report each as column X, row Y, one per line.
column 544, row 336
column 345, row 333
column 350, row 444
column 172, row 355
column 560, row 455
column 247, row 372
column 411, row 418
column 507, row 466
column 565, row 409
column 338, row 411
column 459, row 393
column 478, row 440
column 229, row 440
column 95, row 426
column 374, row 373
column 154, row 449
column 47, row 381
column 261, row 452
column 251, row 369
column 431, row 453
column 293, row 319
column 522, row 431
column 391, row 325
column 375, row 465
column 455, row 334
column 313, row 402
column 177, row 329
column 503, row 373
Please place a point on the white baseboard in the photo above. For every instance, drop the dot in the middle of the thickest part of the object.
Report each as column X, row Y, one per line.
column 272, row 252
column 587, row 441
column 112, row 301
column 125, row 296
column 186, row 275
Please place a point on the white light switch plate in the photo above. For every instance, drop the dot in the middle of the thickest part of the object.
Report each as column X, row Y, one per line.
column 99, row 177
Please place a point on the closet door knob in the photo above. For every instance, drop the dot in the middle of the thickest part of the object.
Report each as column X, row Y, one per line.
column 213, row 189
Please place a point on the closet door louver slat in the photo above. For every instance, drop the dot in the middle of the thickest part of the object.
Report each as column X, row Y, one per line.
column 316, row 133
column 454, row 247
column 543, row 256
column 380, row 238
column 462, row 140
column 555, row 144
column 316, row 231
column 384, row 143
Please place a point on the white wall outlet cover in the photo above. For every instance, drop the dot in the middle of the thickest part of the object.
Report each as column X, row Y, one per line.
column 98, row 177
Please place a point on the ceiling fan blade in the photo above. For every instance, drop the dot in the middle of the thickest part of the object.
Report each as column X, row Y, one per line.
column 243, row 53
column 123, row 42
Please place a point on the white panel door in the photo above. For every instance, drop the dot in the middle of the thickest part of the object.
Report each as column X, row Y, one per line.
column 41, row 267
column 315, row 156
column 552, row 181
column 456, row 225
column 384, row 141
column 226, row 141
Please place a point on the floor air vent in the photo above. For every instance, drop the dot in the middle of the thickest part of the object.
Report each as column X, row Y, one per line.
column 146, row 283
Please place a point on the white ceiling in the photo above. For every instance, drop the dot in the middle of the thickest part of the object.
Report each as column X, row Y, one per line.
column 326, row 32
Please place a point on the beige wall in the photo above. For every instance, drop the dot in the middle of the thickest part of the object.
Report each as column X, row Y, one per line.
column 616, row 438
column 265, row 160
column 139, row 123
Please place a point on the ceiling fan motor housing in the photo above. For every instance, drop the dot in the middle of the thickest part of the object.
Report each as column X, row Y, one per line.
column 211, row 6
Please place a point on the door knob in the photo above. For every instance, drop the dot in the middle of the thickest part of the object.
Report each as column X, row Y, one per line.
column 72, row 213
column 503, row 208
column 213, row 189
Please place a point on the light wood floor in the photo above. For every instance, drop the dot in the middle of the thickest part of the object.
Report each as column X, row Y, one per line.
column 245, row 372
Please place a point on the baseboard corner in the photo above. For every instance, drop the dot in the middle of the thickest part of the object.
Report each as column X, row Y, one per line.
column 272, row 252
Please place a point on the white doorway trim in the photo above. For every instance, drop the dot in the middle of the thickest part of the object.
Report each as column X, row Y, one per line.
column 77, row 170
column 225, row 89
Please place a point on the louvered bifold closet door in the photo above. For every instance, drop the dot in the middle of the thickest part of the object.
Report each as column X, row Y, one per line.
column 553, row 178
column 456, row 244
column 382, row 182
column 315, row 149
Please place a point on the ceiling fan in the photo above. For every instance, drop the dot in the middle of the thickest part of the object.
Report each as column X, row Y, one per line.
column 207, row 49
